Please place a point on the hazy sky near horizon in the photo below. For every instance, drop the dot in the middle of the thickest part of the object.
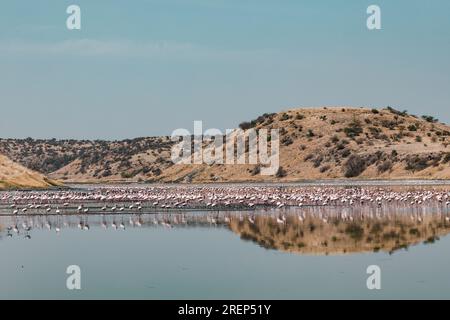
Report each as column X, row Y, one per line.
column 142, row 68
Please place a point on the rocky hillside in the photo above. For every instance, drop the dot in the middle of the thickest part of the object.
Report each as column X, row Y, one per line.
column 92, row 161
column 13, row 176
column 315, row 143
column 332, row 143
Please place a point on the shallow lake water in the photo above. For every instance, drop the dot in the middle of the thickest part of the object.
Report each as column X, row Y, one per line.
column 221, row 256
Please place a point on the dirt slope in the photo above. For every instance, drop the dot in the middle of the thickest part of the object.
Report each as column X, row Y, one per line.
column 13, row 175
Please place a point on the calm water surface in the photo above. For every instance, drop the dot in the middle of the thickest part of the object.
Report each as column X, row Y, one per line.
column 201, row 259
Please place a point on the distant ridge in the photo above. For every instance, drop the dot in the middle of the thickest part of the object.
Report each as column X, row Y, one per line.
column 315, row 143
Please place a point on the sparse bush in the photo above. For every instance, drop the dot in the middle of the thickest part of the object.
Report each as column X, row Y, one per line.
column 389, row 124
column 334, row 139
column 106, row 173
column 317, row 161
column 245, row 125
column 446, row 158
column 396, row 112
column 416, row 163
column 430, row 119
column 354, row 129
column 126, row 175
column 385, row 166
column 286, row 141
column 340, row 146
column 281, row 173
column 354, row 166
column 310, row 133
column 256, row 170
column 345, row 153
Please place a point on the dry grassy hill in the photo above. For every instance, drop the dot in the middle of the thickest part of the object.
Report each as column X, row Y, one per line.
column 315, row 143
column 92, row 161
column 331, row 143
column 13, row 175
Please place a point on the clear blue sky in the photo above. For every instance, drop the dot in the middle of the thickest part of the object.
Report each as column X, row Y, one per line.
column 141, row 68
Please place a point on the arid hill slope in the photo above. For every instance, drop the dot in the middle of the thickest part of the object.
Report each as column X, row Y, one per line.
column 13, row 175
column 315, row 143
column 92, row 161
column 331, row 143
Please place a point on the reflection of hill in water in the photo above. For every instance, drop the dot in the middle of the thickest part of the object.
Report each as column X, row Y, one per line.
column 320, row 231
column 314, row 236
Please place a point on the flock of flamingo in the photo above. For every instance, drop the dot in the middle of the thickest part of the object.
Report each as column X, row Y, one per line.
column 170, row 206
column 24, row 224
column 137, row 199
